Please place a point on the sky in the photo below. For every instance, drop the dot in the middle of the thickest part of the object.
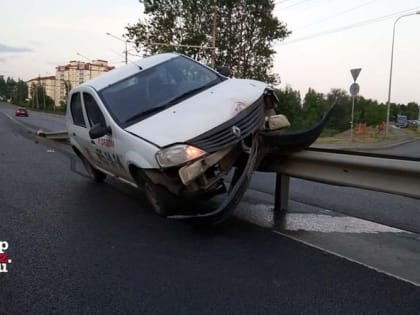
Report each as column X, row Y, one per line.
column 329, row 37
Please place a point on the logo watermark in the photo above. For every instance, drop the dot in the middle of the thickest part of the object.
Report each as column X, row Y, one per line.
column 4, row 257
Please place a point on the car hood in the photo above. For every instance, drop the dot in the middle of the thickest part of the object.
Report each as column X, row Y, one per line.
column 199, row 113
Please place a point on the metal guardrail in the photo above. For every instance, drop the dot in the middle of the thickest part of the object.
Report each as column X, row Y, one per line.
column 384, row 173
column 375, row 172
column 57, row 135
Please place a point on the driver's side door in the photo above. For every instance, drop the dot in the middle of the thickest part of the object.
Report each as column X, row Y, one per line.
column 102, row 149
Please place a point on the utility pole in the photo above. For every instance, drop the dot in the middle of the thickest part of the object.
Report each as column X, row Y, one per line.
column 354, row 90
column 213, row 44
column 122, row 40
column 43, row 93
column 126, row 53
column 388, row 103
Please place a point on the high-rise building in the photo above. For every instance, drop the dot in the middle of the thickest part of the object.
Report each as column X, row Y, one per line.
column 66, row 78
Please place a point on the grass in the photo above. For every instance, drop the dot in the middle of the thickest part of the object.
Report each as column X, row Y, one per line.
column 371, row 136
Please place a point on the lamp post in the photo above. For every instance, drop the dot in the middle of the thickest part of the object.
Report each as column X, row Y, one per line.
column 122, row 40
column 390, row 71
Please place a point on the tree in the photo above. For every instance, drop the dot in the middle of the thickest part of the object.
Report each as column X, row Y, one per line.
column 3, row 88
column 244, row 33
column 340, row 120
column 314, row 107
column 40, row 98
column 21, row 93
column 13, row 91
column 290, row 105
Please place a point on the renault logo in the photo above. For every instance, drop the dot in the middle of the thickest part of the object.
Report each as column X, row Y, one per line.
column 236, row 131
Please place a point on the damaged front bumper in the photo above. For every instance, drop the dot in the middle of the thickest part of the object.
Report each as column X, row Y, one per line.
column 263, row 143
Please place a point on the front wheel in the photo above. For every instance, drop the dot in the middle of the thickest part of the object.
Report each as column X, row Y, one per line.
column 162, row 201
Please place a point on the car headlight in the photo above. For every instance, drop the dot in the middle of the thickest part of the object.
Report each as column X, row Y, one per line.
column 178, row 154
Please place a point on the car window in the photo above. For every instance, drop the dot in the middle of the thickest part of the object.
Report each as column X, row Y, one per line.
column 93, row 112
column 77, row 110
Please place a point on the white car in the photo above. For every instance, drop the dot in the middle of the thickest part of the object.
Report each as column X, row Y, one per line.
column 177, row 129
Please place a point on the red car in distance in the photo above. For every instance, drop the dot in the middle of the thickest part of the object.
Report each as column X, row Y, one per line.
column 21, row 112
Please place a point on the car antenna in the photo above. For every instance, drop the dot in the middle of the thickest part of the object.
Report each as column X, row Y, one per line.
column 138, row 66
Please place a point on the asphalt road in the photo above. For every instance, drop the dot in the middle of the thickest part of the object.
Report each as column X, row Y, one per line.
column 411, row 149
column 80, row 247
column 37, row 120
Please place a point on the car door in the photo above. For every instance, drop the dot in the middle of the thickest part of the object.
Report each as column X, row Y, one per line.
column 105, row 148
column 78, row 128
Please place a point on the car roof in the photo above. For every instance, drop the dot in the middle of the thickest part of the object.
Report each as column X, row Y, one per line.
column 127, row 70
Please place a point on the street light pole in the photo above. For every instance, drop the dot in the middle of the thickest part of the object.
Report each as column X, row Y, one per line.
column 390, row 71
column 122, row 40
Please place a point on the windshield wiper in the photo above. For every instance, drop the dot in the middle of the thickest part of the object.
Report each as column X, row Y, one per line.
column 192, row 92
column 146, row 113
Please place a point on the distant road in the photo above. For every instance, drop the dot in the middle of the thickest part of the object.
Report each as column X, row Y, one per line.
column 37, row 120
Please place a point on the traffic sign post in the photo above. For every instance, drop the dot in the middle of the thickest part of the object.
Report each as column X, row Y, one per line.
column 354, row 90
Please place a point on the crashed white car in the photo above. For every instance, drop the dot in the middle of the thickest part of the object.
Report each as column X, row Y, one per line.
column 177, row 129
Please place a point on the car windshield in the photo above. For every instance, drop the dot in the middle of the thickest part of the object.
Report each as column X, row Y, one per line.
column 155, row 89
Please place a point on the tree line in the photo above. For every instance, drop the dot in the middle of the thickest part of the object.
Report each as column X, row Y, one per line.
column 14, row 91
column 305, row 112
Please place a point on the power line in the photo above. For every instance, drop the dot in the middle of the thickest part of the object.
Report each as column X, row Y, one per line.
column 335, row 15
column 280, row 2
column 344, row 28
column 295, row 4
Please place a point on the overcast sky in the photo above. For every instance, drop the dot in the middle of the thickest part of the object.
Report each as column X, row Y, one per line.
column 329, row 38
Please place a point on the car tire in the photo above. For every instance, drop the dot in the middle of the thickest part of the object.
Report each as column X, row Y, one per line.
column 159, row 198
column 94, row 174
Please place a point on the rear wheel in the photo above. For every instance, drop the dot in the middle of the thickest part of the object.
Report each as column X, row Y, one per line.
column 93, row 173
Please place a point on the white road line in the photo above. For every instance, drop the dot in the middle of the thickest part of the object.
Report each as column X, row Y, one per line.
column 347, row 258
column 262, row 214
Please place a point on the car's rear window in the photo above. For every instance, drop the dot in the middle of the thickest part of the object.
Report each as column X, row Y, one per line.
column 154, row 88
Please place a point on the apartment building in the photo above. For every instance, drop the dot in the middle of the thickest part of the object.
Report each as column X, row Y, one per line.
column 68, row 77
column 75, row 73
column 49, row 85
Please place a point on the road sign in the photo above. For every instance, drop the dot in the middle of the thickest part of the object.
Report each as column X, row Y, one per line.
column 354, row 89
column 355, row 73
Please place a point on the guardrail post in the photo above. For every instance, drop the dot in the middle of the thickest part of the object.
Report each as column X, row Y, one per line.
column 281, row 195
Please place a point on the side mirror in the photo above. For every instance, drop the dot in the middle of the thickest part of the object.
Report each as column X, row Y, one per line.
column 225, row 71
column 98, row 131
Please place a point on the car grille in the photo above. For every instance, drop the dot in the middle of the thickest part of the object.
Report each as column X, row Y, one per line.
column 232, row 131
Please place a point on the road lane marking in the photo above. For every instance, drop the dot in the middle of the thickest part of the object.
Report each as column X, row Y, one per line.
column 291, row 224
column 263, row 215
column 348, row 258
